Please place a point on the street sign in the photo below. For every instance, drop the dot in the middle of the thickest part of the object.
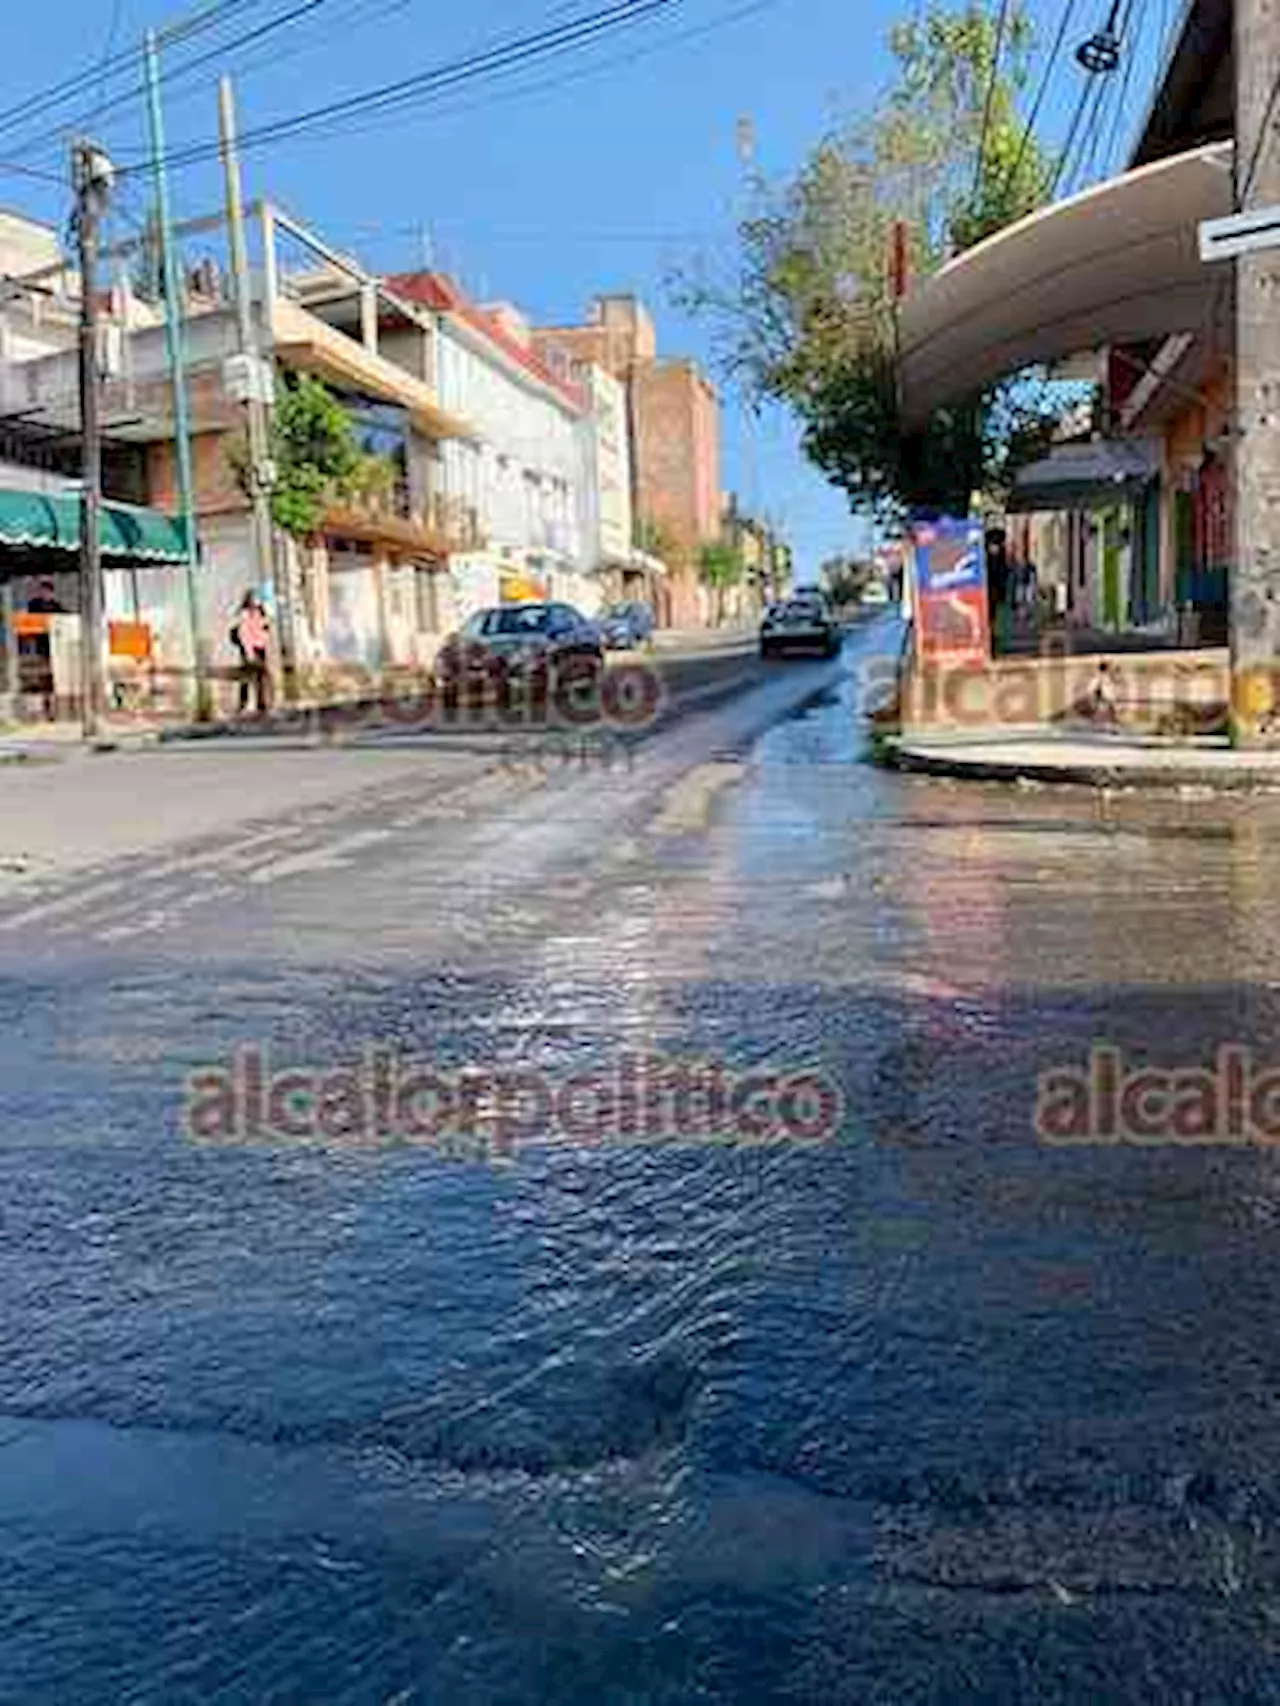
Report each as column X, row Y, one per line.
column 1240, row 234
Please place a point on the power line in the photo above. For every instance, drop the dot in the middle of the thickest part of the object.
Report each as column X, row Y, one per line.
column 1092, row 90
column 1001, row 20
column 275, row 55
column 1085, row 94
column 1109, row 153
column 57, row 93
column 219, row 51
column 447, row 108
column 1064, row 24
column 1106, row 84
column 1255, row 159
column 23, row 171
column 506, row 56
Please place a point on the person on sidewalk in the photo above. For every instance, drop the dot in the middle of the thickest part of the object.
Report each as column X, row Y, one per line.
column 250, row 636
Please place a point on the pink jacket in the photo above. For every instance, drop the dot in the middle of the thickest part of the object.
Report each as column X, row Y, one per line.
column 253, row 629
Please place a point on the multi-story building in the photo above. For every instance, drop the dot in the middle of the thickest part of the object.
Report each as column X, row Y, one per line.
column 674, row 425
column 766, row 559
column 40, row 486
column 523, row 466
column 506, row 467
column 364, row 589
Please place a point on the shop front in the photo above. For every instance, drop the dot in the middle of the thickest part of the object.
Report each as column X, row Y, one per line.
column 40, row 617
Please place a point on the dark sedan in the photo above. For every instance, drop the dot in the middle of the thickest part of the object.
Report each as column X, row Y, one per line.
column 799, row 625
column 511, row 648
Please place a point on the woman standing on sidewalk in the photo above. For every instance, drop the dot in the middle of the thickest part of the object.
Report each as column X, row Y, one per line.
column 251, row 636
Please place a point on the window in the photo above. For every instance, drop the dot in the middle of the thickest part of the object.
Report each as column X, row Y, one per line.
column 514, row 619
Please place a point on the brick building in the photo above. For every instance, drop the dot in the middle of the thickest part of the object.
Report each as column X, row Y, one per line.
column 675, row 435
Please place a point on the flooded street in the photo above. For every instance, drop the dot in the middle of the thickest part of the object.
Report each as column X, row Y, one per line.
column 925, row 1407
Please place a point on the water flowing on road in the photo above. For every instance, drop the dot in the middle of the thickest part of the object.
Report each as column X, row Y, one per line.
column 925, row 1406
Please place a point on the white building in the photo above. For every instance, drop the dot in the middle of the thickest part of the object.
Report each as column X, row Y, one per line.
column 527, row 469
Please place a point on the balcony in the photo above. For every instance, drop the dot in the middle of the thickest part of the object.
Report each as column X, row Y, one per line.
column 440, row 526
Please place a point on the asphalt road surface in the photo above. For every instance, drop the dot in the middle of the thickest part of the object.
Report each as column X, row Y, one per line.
column 898, row 1398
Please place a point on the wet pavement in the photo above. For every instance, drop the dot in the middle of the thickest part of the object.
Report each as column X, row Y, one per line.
column 927, row 1409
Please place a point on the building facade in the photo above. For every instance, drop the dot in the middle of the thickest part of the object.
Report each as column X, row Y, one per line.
column 674, row 425
column 525, row 466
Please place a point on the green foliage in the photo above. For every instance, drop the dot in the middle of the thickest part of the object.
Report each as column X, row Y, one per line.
column 845, row 579
column 808, row 320
column 316, row 454
column 720, row 566
column 652, row 538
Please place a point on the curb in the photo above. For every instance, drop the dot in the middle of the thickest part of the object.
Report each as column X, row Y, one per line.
column 1100, row 774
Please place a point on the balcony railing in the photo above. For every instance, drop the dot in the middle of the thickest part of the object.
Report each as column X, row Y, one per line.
column 440, row 523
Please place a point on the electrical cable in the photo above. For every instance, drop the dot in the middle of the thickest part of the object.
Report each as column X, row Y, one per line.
column 55, row 94
column 1109, row 156
column 1092, row 91
column 1085, row 95
column 23, row 171
column 396, row 95
column 274, row 55
column 219, row 51
column 1064, row 24
column 1088, row 150
column 1255, row 159
column 1002, row 18
column 1126, row 44
column 451, row 108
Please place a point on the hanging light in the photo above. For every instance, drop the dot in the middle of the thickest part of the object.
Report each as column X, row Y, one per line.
column 1101, row 53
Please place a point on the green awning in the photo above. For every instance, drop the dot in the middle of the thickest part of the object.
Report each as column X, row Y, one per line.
column 40, row 521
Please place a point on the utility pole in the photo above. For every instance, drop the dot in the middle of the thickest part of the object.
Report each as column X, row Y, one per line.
column 92, row 175
column 177, row 367
column 1255, row 569
column 260, row 471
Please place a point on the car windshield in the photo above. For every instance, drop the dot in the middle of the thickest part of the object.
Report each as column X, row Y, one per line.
column 511, row 619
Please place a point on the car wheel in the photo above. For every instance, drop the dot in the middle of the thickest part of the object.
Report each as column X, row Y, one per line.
column 578, row 677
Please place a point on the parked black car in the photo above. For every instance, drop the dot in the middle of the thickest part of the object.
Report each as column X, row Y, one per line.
column 511, row 645
column 799, row 625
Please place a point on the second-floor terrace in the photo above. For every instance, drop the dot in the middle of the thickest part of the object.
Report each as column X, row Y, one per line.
column 313, row 311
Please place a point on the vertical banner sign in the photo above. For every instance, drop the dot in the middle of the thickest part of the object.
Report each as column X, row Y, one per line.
column 951, row 614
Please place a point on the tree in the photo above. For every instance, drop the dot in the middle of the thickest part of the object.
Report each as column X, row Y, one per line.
column 720, row 566
column 809, row 318
column 845, row 579
column 315, row 453
column 652, row 538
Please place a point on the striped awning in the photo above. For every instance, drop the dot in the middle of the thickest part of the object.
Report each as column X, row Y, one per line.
column 44, row 521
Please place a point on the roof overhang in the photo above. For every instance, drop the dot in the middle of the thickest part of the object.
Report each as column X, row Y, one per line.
column 1118, row 263
column 1077, row 476
column 303, row 340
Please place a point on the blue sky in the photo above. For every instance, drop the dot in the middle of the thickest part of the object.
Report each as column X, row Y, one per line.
column 605, row 170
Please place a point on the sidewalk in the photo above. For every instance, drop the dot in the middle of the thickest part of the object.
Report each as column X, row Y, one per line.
column 1093, row 758
column 694, row 664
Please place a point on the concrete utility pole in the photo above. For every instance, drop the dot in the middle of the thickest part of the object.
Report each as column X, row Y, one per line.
column 260, row 472
column 91, row 174
column 1255, row 576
